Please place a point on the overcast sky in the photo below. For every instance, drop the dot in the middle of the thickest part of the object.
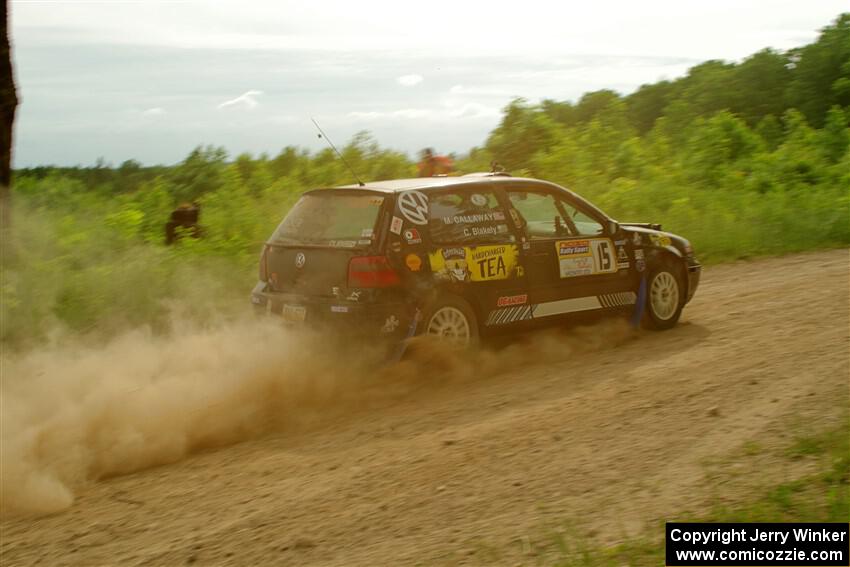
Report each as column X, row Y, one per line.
column 150, row 80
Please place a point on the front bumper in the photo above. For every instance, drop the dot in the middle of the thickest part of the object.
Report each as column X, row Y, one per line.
column 389, row 319
column 694, row 272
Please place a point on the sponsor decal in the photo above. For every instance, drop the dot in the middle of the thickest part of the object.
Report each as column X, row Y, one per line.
column 574, row 248
column 585, row 257
column 395, row 225
column 413, row 206
column 622, row 258
column 477, row 263
column 449, row 253
column 660, row 239
column 636, row 239
column 411, row 235
column 486, row 230
column 353, row 296
column 395, row 246
column 366, row 233
column 476, row 218
column 376, row 201
column 413, row 262
column 508, row 300
column 491, row 262
column 390, row 324
column 478, row 200
column 640, row 263
column 619, row 242
column 515, row 218
column 450, row 263
column 339, row 308
column 520, row 271
column 342, row 243
column 300, row 260
column 363, row 242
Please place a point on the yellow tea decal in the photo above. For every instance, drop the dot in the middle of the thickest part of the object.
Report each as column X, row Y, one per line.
column 475, row 263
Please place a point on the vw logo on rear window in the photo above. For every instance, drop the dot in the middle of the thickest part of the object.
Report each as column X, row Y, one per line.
column 300, row 260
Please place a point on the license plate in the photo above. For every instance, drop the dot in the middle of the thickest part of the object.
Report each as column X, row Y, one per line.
column 294, row 313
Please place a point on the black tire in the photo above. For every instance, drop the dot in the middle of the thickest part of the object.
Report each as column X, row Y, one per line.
column 445, row 316
column 664, row 301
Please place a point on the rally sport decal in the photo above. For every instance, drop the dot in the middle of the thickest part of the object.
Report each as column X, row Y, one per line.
column 586, row 257
column 560, row 307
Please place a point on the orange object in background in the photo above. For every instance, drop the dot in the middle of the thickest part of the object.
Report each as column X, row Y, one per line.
column 432, row 165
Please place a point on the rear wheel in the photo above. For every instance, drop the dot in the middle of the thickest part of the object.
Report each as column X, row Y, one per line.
column 665, row 296
column 450, row 318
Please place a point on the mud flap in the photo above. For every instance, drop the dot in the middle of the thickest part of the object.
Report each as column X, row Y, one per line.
column 411, row 331
column 640, row 303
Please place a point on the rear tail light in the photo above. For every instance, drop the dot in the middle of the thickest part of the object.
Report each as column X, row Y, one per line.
column 264, row 264
column 371, row 271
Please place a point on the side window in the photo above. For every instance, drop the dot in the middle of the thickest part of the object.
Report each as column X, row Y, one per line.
column 584, row 224
column 546, row 216
column 468, row 217
column 540, row 213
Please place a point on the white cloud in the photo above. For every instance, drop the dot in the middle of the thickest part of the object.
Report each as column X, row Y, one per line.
column 156, row 111
column 408, row 113
column 482, row 91
column 448, row 112
column 409, row 80
column 245, row 100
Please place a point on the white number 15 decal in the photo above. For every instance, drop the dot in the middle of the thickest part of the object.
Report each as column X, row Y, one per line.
column 603, row 256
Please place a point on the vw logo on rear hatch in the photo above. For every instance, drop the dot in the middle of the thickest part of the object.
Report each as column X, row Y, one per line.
column 300, row 260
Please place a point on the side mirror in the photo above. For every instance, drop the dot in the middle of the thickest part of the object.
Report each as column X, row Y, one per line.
column 613, row 227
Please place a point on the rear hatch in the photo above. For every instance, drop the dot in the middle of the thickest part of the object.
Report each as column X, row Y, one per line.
column 310, row 251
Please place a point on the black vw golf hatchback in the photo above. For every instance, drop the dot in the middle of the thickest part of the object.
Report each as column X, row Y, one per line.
column 460, row 257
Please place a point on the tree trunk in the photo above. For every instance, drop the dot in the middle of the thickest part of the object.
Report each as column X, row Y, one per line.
column 8, row 104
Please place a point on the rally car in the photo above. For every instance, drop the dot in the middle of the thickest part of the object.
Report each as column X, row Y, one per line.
column 461, row 257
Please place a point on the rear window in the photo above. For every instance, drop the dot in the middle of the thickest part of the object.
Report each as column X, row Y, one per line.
column 338, row 220
column 468, row 217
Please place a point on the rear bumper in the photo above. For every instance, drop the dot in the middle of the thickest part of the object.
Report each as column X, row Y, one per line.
column 389, row 320
column 694, row 273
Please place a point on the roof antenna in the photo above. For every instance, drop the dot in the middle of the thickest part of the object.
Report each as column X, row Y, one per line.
column 325, row 136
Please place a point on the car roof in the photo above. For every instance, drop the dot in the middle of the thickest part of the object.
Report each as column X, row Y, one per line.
column 426, row 183
column 471, row 179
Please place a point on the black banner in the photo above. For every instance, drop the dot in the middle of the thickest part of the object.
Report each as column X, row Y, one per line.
column 693, row 545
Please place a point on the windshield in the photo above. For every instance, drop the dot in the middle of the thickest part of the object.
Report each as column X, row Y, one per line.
column 337, row 220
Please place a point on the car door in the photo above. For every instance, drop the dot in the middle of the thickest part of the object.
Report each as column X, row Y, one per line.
column 573, row 263
column 474, row 248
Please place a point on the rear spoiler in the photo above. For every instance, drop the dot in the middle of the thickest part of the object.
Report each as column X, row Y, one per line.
column 652, row 225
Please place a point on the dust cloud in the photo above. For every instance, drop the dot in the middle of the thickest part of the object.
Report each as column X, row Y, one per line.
column 73, row 414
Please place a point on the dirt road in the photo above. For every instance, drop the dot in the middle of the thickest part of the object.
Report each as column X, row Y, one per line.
column 473, row 469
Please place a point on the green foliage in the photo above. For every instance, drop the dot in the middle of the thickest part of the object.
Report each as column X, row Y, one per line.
column 821, row 72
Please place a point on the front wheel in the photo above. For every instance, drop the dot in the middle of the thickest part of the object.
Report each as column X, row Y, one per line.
column 451, row 318
column 665, row 297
